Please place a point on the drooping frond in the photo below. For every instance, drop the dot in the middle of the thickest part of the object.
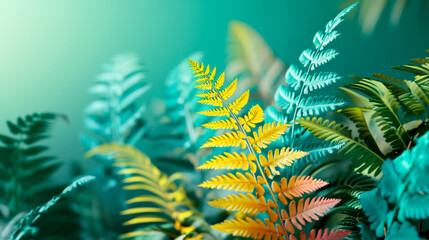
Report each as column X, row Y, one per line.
column 158, row 198
column 254, row 116
column 238, row 182
column 363, row 157
column 243, row 203
column 233, row 139
column 267, row 134
column 248, row 227
column 306, row 211
column 221, row 124
column 279, row 158
column 296, row 187
column 231, row 161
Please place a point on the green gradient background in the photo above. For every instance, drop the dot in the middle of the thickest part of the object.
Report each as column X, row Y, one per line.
column 51, row 51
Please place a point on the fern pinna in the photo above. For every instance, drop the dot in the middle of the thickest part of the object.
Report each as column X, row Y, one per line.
column 259, row 169
column 298, row 99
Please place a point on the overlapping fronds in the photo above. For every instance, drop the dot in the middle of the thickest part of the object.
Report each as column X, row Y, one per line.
column 251, row 59
column 321, row 235
column 157, row 198
column 260, row 169
column 25, row 229
column 25, row 170
column 301, row 99
column 117, row 113
column 402, row 194
column 399, row 109
column 362, row 156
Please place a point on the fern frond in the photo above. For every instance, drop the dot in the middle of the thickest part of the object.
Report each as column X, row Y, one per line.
column 248, row 227
column 238, row 104
column 160, row 199
column 231, row 161
column 363, row 157
column 314, row 59
column 233, row 139
column 223, row 111
column 296, row 187
column 238, row 182
column 325, row 234
column 227, row 92
column 306, row 211
column 282, row 158
column 254, row 116
column 219, row 82
column 267, row 134
column 221, row 124
column 247, row 204
column 214, row 101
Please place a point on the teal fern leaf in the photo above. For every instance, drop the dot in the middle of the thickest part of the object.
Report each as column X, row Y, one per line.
column 299, row 98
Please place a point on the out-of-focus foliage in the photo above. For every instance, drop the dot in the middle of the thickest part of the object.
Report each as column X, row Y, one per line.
column 115, row 116
column 301, row 98
column 371, row 11
column 398, row 109
column 24, row 227
column 251, row 59
column 25, row 173
column 401, row 196
column 285, row 213
column 158, row 203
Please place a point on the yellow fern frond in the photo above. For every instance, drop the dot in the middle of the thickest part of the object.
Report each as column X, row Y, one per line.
column 233, row 139
column 219, row 112
column 221, row 124
column 231, row 161
column 229, row 91
column 214, row 101
column 267, row 134
column 282, row 158
column 239, row 182
column 206, row 86
column 242, row 203
column 238, row 104
column 254, row 116
column 219, row 81
column 296, row 187
column 226, row 93
column 157, row 197
column 250, row 228
column 208, row 94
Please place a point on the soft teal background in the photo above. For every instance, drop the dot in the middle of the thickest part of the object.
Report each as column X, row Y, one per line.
column 51, row 51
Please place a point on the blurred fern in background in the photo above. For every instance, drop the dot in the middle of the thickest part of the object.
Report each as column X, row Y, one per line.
column 26, row 173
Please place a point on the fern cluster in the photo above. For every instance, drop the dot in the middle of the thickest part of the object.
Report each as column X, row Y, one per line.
column 259, row 169
column 25, row 171
column 156, row 198
column 401, row 196
column 298, row 99
column 398, row 108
